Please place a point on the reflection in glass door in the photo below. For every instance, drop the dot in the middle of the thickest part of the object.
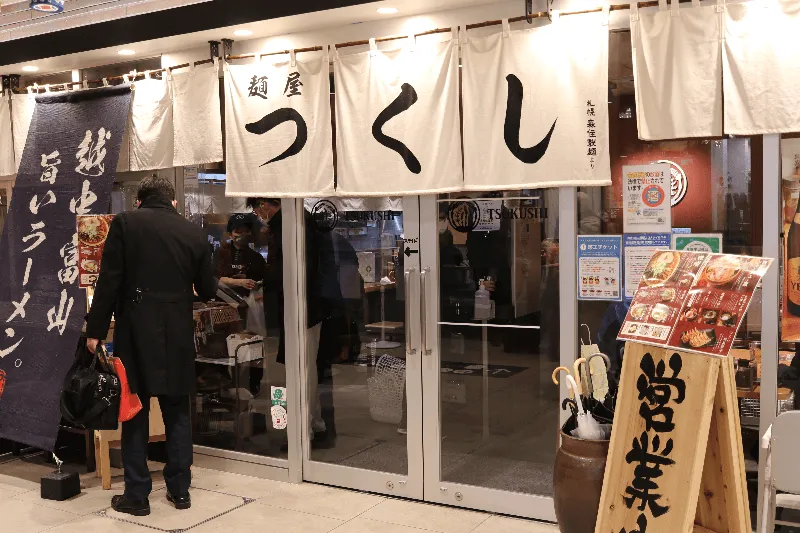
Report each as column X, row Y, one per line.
column 363, row 386
column 491, row 290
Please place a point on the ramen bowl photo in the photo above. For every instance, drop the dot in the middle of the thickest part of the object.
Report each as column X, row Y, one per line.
column 661, row 268
column 723, row 270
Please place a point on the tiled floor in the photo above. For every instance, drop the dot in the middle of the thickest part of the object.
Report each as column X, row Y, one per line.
column 228, row 503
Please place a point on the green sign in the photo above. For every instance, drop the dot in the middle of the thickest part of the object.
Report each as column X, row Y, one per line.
column 280, row 418
column 698, row 242
column 279, row 396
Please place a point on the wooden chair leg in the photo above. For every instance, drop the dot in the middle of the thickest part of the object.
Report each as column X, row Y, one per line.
column 90, row 454
column 105, row 464
column 97, row 456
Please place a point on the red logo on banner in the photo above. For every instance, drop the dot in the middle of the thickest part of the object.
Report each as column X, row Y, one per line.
column 2, row 382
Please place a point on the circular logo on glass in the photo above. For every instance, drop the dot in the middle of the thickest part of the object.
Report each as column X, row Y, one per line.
column 464, row 215
column 679, row 183
column 325, row 215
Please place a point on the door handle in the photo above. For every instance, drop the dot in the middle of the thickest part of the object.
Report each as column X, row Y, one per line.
column 407, row 277
column 423, row 306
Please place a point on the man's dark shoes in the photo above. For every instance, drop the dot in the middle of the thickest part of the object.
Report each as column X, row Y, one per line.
column 180, row 502
column 122, row 504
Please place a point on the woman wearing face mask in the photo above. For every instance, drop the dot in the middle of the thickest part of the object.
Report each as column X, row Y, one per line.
column 237, row 265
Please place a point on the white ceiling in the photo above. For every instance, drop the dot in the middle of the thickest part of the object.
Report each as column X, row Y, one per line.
column 288, row 25
column 18, row 21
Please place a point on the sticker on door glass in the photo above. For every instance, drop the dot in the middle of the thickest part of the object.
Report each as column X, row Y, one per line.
column 278, row 411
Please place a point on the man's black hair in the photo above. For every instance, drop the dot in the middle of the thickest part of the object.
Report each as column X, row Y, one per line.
column 155, row 186
column 253, row 203
column 240, row 220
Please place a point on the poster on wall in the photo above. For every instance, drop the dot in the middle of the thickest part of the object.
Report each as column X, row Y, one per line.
column 639, row 248
column 526, row 274
column 693, row 301
column 92, row 234
column 600, row 267
column 490, row 215
column 697, row 242
column 190, row 176
column 646, row 198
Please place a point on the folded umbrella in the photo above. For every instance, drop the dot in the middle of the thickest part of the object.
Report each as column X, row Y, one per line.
column 588, row 427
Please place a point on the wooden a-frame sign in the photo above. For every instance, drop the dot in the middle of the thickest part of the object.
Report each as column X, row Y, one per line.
column 675, row 463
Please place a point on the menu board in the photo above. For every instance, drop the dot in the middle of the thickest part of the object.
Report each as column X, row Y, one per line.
column 92, row 233
column 693, row 301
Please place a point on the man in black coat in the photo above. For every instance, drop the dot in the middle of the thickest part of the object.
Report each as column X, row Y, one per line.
column 153, row 264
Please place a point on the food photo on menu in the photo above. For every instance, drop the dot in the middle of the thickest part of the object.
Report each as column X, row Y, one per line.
column 92, row 235
column 693, row 301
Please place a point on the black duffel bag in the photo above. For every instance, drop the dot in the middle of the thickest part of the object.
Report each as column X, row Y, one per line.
column 90, row 395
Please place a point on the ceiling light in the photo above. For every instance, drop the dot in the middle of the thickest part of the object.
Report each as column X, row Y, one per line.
column 30, row 68
column 242, row 33
column 126, row 52
column 387, row 10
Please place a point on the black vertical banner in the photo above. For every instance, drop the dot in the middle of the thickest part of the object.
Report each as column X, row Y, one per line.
column 67, row 169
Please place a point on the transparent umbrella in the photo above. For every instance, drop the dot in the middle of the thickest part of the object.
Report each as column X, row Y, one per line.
column 588, row 427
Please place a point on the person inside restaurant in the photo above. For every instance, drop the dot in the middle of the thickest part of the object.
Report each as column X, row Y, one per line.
column 241, row 268
column 236, row 263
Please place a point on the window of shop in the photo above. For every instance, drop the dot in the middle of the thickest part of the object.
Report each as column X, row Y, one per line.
column 717, row 191
column 232, row 407
column 240, row 336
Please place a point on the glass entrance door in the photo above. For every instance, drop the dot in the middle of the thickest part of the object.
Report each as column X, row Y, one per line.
column 434, row 324
column 362, row 424
column 490, row 271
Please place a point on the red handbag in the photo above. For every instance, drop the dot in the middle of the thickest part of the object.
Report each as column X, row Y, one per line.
column 130, row 404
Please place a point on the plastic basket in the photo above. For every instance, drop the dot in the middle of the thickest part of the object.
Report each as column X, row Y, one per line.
column 251, row 352
column 386, row 390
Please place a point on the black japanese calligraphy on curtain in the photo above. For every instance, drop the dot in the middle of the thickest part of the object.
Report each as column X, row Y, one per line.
column 282, row 116
column 513, row 124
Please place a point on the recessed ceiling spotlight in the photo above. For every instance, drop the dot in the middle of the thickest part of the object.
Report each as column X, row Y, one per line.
column 30, row 68
column 126, row 52
column 387, row 10
column 242, row 33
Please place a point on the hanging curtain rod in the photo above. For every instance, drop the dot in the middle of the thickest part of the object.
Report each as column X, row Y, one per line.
column 488, row 23
column 540, row 14
column 65, row 86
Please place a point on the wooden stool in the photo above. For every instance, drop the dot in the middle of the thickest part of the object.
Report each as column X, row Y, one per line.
column 107, row 439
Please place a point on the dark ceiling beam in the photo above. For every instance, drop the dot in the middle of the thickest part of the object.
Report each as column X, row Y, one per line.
column 167, row 23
